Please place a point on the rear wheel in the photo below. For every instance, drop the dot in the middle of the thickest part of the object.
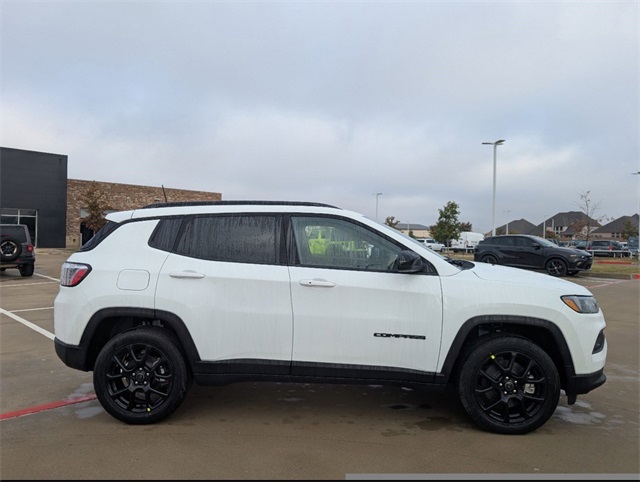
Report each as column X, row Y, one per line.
column 490, row 259
column 26, row 270
column 508, row 385
column 140, row 376
column 556, row 267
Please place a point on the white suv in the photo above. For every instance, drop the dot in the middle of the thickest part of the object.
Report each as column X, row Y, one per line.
column 302, row 292
column 432, row 244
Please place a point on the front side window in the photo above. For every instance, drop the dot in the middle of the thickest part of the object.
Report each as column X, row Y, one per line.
column 233, row 238
column 336, row 243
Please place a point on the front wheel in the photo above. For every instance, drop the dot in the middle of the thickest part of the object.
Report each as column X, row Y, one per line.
column 508, row 385
column 556, row 267
column 140, row 376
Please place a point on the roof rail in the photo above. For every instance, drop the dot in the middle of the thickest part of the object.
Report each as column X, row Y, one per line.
column 232, row 203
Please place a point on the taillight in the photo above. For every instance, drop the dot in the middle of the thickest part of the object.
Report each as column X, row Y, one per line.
column 72, row 274
column 29, row 248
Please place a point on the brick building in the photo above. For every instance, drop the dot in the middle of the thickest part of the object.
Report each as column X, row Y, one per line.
column 35, row 191
column 120, row 197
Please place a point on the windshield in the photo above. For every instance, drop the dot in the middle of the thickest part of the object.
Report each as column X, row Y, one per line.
column 544, row 242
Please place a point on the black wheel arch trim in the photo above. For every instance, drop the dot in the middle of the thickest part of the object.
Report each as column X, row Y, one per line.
column 494, row 322
column 83, row 356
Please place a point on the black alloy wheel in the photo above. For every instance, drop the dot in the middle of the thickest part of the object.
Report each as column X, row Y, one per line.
column 556, row 267
column 140, row 376
column 508, row 385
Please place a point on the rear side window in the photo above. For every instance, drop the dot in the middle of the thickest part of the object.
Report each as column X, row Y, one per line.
column 502, row 241
column 18, row 232
column 233, row 238
column 165, row 235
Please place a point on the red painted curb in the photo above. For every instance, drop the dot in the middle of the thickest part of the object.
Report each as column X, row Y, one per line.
column 635, row 276
column 46, row 406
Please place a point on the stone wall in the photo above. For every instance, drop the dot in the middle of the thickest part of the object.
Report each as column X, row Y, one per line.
column 121, row 197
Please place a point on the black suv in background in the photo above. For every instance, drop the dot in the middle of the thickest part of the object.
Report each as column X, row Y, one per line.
column 16, row 249
column 532, row 252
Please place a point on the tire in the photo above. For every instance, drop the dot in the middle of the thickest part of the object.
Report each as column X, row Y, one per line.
column 140, row 376
column 508, row 385
column 26, row 269
column 489, row 258
column 10, row 249
column 556, row 267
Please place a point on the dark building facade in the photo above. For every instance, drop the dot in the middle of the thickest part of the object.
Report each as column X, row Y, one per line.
column 33, row 191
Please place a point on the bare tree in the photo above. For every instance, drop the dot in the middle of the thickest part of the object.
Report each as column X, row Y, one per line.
column 589, row 208
column 96, row 204
column 391, row 221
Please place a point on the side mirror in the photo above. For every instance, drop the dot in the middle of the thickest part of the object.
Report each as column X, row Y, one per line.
column 409, row 262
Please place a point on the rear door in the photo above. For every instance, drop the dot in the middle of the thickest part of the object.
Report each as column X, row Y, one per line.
column 228, row 283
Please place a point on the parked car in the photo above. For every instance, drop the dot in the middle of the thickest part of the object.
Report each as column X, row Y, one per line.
column 16, row 249
column 432, row 244
column 601, row 247
column 632, row 244
column 233, row 291
column 532, row 252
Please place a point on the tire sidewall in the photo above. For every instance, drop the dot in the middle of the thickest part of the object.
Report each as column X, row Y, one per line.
column 164, row 343
column 552, row 272
column 477, row 355
column 17, row 245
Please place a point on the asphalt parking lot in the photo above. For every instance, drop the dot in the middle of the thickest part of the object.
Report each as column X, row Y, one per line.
column 52, row 427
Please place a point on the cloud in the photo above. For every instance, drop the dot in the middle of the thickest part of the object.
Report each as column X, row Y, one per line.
column 335, row 101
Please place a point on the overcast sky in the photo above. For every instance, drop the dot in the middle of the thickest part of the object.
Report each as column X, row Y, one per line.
column 336, row 101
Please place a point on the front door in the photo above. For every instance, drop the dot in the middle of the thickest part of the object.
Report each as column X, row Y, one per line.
column 353, row 310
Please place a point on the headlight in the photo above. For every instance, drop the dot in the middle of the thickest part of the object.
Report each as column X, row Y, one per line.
column 581, row 304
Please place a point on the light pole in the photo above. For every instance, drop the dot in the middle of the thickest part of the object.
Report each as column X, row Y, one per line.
column 495, row 148
column 544, row 227
column 507, row 213
column 377, row 196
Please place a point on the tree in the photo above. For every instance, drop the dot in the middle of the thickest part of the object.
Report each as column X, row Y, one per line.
column 391, row 221
column 95, row 202
column 630, row 230
column 589, row 208
column 448, row 226
column 466, row 227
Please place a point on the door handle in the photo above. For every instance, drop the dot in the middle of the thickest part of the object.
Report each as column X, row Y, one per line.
column 316, row 282
column 186, row 274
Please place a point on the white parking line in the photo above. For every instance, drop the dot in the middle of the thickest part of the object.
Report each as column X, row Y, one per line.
column 47, row 277
column 32, row 309
column 28, row 284
column 28, row 324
